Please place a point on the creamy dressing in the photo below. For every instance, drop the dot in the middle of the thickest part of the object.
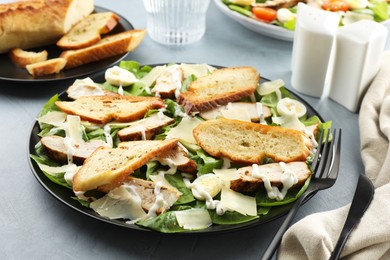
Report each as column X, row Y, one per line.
column 70, row 172
column 260, row 113
column 288, row 179
column 170, row 163
column 107, row 135
column 210, row 202
column 159, row 201
column 312, row 138
column 70, row 150
column 120, row 90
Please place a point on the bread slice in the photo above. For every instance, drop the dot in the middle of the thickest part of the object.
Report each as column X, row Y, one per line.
column 103, row 109
column 250, row 143
column 145, row 128
column 22, row 58
column 219, row 88
column 108, row 168
column 47, row 67
column 246, row 183
column 109, row 46
column 55, row 148
column 88, row 31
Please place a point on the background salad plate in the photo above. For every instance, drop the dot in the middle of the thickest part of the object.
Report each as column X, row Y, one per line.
column 10, row 72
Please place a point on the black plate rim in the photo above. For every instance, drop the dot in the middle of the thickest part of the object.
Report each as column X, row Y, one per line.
column 123, row 22
column 57, row 191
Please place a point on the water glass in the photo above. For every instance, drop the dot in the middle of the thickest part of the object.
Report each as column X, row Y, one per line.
column 176, row 22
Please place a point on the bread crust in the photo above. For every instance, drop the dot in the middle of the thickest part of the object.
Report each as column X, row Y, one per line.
column 23, row 58
column 219, row 88
column 47, row 67
column 103, row 109
column 109, row 46
column 47, row 20
column 107, row 168
column 88, row 31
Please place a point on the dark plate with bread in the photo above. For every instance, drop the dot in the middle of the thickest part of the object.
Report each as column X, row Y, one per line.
column 66, row 195
column 11, row 72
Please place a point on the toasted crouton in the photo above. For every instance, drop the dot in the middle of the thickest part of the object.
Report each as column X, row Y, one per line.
column 103, row 109
column 219, row 88
column 108, row 168
column 250, row 143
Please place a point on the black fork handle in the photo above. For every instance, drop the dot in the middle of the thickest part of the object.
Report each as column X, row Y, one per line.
column 273, row 246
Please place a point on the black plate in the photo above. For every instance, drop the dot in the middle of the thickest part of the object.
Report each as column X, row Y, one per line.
column 10, row 72
column 65, row 195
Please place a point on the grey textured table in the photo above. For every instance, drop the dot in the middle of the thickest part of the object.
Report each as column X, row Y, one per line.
column 34, row 225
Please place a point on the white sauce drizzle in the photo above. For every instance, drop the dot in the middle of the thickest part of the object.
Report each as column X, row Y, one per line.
column 70, row 150
column 120, row 90
column 260, row 113
column 169, row 162
column 107, row 135
column 312, row 138
column 210, row 202
column 288, row 179
column 159, row 201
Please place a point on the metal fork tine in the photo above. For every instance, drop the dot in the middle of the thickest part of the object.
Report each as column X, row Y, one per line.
column 318, row 152
column 321, row 170
column 336, row 162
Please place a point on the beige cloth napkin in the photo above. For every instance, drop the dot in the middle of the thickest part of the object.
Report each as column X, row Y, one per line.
column 315, row 236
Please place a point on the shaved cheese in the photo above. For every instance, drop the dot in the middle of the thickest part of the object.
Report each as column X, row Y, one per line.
column 55, row 118
column 84, row 87
column 122, row 202
column 193, row 219
column 74, row 129
column 160, row 178
column 269, row 87
column 151, row 77
column 56, row 170
column 238, row 113
column 227, row 174
column 199, row 70
column 183, row 130
column 234, row 201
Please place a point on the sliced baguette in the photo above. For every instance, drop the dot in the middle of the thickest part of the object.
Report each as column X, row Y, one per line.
column 55, row 148
column 47, row 67
column 246, row 183
column 103, row 109
column 108, row 168
column 249, row 143
column 219, row 88
column 145, row 128
column 88, row 31
column 22, row 58
column 109, row 46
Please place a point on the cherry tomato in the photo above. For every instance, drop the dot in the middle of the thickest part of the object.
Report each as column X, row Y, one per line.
column 264, row 13
column 335, row 6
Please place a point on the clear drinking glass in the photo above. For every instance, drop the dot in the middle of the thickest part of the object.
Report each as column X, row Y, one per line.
column 176, row 22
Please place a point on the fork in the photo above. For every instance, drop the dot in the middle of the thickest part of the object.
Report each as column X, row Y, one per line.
column 325, row 165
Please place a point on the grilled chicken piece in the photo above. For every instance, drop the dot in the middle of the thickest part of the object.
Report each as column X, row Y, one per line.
column 145, row 129
column 169, row 82
column 178, row 158
column 250, row 107
column 146, row 191
column 246, row 183
column 55, row 148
